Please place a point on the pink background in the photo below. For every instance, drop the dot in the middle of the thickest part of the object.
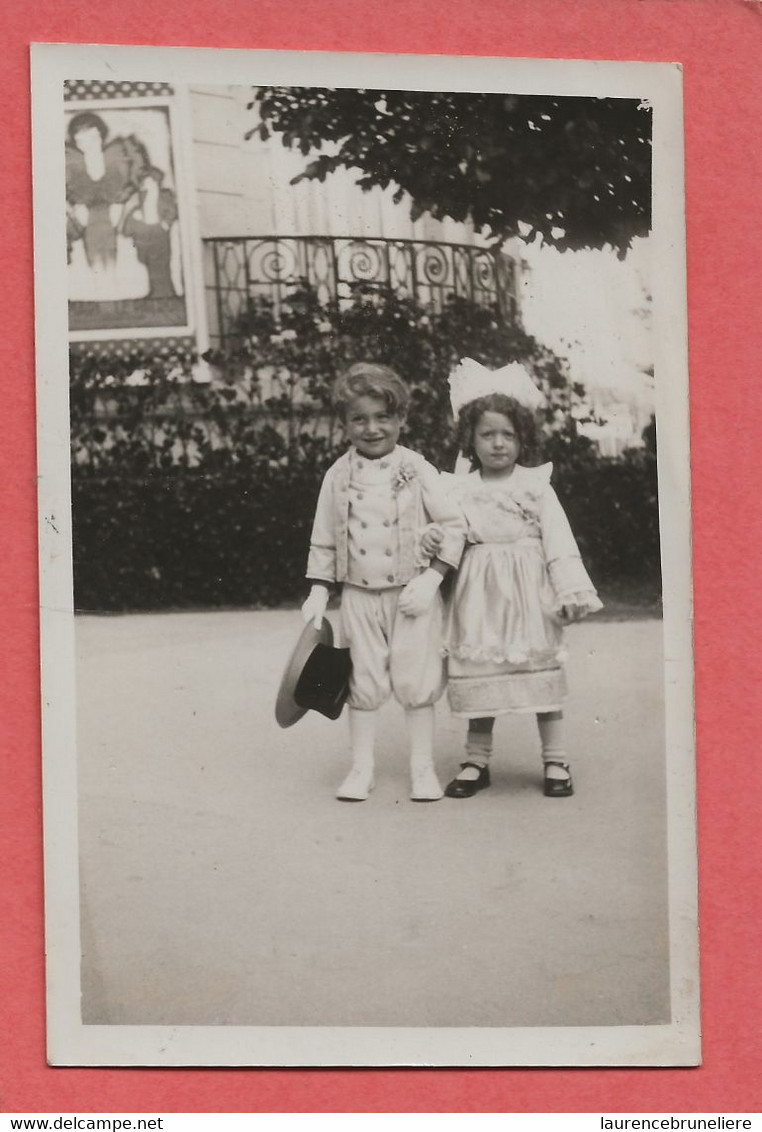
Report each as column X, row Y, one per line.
column 719, row 42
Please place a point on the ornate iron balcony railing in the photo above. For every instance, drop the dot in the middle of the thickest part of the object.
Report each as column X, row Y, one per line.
column 237, row 269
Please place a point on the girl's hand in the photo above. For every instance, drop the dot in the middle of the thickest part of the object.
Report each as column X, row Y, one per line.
column 432, row 539
column 419, row 594
column 315, row 606
column 570, row 612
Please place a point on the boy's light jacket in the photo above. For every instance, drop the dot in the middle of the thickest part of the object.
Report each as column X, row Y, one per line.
column 420, row 499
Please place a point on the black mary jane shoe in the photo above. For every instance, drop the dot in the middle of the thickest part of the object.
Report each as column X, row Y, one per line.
column 467, row 787
column 558, row 787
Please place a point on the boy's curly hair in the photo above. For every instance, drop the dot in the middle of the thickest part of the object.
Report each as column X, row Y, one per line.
column 523, row 420
column 368, row 379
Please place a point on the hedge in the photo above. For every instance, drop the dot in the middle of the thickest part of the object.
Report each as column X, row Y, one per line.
column 189, row 493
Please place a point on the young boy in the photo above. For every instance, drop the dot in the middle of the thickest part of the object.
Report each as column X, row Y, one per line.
column 373, row 504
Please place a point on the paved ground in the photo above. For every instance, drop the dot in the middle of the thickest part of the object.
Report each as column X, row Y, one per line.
column 222, row 883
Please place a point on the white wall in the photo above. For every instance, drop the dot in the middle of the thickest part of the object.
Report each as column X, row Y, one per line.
column 244, row 186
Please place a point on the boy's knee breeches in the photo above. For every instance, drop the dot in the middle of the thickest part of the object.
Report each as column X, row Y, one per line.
column 391, row 653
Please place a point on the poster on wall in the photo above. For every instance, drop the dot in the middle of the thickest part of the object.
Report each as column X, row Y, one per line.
column 125, row 239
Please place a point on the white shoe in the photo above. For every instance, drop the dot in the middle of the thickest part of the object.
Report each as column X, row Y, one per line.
column 357, row 785
column 425, row 785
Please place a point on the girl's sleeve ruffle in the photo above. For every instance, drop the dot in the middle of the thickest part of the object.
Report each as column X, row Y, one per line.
column 586, row 600
column 538, row 477
column 573, row 586
column 453, row 484
column 568, row 576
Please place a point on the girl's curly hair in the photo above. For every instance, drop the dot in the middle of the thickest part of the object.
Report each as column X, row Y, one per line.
column 523, row 420
column 368, row 379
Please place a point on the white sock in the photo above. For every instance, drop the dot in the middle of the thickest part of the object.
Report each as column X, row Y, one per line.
column 478, row 751
column 420, row 730
column 362, row 738
column 551, row 727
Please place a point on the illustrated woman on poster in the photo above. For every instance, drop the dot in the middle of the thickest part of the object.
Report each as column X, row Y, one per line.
column 151, row 226
column 121, row 222
column 101, row 177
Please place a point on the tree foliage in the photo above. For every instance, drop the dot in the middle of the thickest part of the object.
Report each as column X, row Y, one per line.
column 575, row 170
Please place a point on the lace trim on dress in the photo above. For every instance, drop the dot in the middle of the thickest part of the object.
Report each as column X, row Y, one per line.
column 515, row 654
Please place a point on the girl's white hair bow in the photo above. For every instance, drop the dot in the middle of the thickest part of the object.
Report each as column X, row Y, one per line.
column 471, row 380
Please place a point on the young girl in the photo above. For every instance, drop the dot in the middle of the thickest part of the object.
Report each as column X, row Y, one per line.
column 373, row 504
column 520, row 580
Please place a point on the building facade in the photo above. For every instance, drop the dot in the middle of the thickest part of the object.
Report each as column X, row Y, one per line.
column 178, row 216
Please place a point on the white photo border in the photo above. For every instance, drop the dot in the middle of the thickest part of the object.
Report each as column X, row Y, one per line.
column 70, row 1042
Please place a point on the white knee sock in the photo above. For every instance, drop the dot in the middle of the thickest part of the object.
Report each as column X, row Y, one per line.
column 551, row 727
column 420, row 729
column 362, row 736
column 478, row 745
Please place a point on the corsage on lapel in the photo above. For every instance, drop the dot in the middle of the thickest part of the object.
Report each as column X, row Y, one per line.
column 405, row 475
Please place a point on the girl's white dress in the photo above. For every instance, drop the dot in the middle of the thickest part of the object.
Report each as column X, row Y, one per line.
column 503, row 635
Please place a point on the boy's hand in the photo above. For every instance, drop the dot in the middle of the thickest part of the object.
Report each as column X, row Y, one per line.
column 315, row 606
column 432, row 539
column 419, row 594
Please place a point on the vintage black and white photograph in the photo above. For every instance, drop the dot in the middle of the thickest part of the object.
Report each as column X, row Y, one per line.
column 365, row 573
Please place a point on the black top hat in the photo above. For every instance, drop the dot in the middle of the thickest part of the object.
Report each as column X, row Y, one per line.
column 316, row 677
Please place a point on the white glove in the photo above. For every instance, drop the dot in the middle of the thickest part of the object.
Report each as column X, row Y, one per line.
column 419, row 594
column 315, row 605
